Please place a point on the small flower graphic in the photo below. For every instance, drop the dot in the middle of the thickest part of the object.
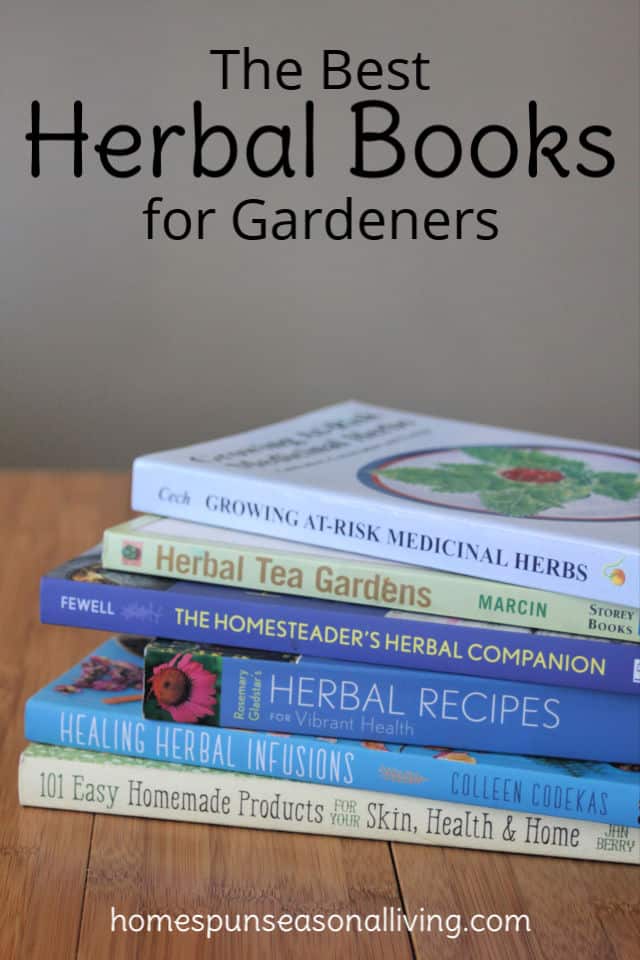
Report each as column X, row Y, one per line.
column 184, row 689
column 131, row 553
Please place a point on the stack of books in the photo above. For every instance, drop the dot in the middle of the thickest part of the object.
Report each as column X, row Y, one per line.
column 366, row 623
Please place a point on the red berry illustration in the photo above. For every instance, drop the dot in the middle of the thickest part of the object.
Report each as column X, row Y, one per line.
column 532, row 475
column 513, row 482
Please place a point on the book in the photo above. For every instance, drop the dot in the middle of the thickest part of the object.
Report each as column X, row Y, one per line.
column 82, row 593
column 199, row 553
column 71, row 712
column 305, row 695
column 62, row 778
column 504, row 505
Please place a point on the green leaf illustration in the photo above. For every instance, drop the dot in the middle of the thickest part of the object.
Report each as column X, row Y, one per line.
column 618, row 486
column 522, row 500
column 529, row 499
column 448, row 478
column 505, row 457
column 577, row 471
column 535, row 481
column 575, row 489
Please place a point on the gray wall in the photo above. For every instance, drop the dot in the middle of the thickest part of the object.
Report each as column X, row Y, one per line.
column 112, row 344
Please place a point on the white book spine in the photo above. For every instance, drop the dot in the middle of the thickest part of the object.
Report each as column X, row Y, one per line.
column 326, row 519
column 65, row 779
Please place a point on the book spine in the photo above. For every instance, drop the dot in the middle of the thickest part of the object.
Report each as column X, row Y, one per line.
column 361, row 702
column 59, row 782
column 337, row 631
column 348, row 579
column 545, row 790
column 507, row 554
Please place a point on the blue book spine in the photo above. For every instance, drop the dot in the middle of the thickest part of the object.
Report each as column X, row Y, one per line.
column 358, row 701
column 222, row 615
column 580, row 791
column 230, row 616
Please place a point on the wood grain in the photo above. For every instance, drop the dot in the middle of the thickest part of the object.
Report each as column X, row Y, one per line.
column 43, row 854
column 153, row 867
column 60, row 873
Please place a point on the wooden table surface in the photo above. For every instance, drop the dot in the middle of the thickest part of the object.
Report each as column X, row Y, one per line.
column 61, row 872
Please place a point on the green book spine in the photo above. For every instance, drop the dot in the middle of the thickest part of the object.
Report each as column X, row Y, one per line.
column 186, row 551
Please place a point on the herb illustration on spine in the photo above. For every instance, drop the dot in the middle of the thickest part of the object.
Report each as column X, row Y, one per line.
column 548, row 483
column 183, row 681
column 182, row 685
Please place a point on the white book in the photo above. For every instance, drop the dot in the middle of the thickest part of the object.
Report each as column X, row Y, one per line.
column 67, row 779
column 514, row 507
